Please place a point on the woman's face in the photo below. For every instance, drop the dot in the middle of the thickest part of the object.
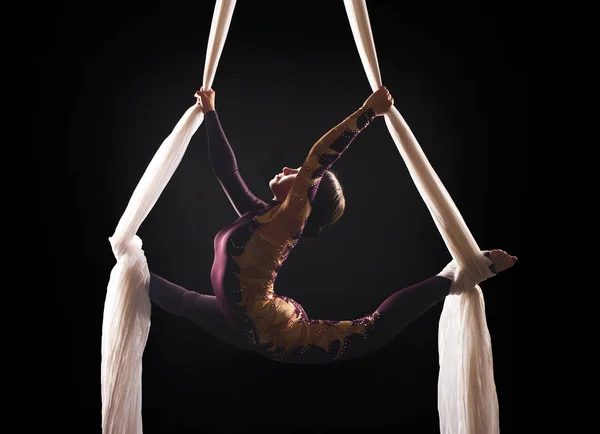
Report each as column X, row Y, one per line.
column 282, row 183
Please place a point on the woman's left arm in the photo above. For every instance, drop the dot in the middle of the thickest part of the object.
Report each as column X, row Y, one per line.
column 329, row 148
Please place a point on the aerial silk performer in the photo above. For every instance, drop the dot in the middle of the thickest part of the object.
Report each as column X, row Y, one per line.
column 249, row 252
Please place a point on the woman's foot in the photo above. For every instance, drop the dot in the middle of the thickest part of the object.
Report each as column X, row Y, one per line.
column 498, row 261
column 501, row 260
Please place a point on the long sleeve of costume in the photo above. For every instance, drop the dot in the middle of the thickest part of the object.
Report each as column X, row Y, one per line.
column 224, row 165
column 324, row 153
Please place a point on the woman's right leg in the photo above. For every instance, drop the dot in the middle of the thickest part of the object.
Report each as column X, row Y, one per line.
column 201, row 309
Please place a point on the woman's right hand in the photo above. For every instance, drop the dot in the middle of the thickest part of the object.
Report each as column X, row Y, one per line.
column 206, row 99
column 380, row 101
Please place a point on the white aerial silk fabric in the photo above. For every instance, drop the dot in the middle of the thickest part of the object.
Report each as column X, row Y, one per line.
column 467, row 399
column 126, row 317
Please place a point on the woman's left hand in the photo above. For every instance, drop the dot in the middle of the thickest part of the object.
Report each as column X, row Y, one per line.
column 380, row 101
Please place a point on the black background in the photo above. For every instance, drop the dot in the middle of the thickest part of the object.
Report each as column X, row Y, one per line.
column 288, row 73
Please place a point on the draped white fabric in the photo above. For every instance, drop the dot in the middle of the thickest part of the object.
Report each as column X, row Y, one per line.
column 467, row 400
column 126, row 320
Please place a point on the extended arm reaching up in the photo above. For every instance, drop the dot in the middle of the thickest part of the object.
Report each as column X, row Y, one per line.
column 222, row 158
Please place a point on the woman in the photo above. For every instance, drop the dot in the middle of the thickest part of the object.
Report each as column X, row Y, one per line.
column 245, row 310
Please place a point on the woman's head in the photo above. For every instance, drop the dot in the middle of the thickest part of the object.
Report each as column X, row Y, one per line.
column 282, row 183
column 327, row 207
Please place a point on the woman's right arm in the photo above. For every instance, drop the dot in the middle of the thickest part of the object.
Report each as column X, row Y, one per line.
column 222, row 159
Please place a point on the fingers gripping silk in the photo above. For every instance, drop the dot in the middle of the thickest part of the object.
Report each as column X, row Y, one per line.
column 467, row 400
column 126, row 320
